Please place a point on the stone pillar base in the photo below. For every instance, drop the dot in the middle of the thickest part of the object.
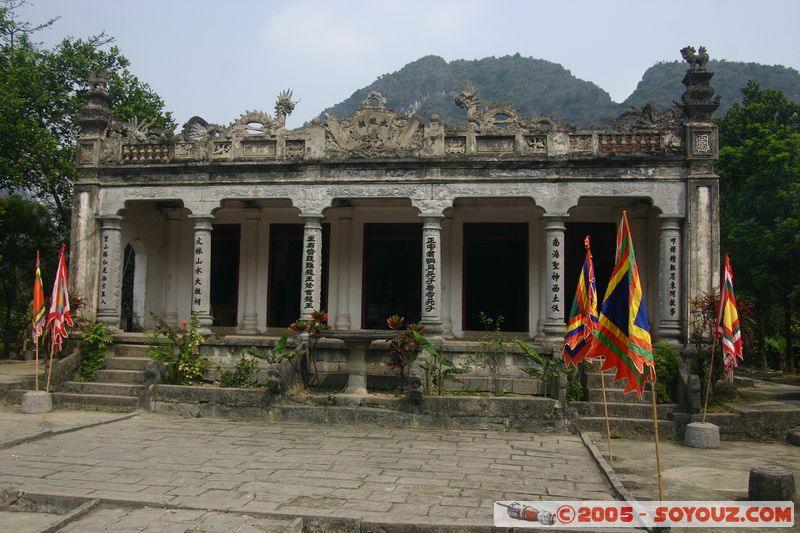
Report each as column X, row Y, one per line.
column 771, row 483
column 701, row 435
column 37, row 402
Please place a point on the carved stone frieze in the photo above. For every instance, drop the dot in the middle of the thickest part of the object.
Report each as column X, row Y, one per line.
column 374, row 131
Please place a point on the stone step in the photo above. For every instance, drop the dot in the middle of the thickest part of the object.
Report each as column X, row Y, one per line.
column 617, row 395
column 14, row 396
column 120, row 376
column 131, row 350
column 126, row 363
column 593, row 380
column 623, row 409
column 99, row 402
column 627, row 427
column 113, row 389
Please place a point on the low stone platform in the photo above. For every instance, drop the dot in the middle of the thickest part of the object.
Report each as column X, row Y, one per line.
column 361, row 475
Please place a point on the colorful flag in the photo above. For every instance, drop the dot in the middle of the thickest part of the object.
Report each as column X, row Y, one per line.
column 622, row 335
column 728, row 320
column 39, row 308
column 59, row 316
column 583, row 316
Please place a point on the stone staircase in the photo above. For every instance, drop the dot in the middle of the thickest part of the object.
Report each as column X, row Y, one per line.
column 628, row 415
column 118, row 388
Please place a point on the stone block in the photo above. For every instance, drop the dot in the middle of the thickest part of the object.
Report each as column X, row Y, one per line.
column 770, row 483
column 37, row 402
column 701, row 435
column 793, row 436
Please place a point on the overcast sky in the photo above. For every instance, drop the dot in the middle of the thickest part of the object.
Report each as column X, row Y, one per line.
column 219, row 59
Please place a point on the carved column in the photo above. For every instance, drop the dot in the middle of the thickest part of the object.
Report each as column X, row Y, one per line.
column 344, row 255
column 670, row 289
column 201, row 271
column 173, row 238
column 311, row 286
column 554, row 229
column 249, row 324
column 108, row 300
column 432, row 273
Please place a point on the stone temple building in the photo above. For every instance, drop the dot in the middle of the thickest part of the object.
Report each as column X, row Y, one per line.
column 252, row 225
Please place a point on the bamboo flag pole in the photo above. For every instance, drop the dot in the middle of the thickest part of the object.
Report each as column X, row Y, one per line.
column 605, row 411
column 655, row 427
column 47, row 385
column 710, row 372
column 36, row 364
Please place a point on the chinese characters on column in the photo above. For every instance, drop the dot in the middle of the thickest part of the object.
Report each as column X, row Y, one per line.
column 198, row 270
column 308, row 273
column 555, row 256
column 673, row 273
column 104, row 272
column 430, row 274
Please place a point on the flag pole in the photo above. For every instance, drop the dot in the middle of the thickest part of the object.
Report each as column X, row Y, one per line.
column 605, row 411
column 710, row 372
column 655, row 427
column 36, row 364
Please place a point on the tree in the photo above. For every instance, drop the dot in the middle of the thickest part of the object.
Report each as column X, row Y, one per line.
column 41, row 91
column 759, row 170
column 25, row 227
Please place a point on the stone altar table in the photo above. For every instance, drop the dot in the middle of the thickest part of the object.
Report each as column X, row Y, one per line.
column 357, row 343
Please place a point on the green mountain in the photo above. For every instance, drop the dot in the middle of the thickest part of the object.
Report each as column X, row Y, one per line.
column 535, row 86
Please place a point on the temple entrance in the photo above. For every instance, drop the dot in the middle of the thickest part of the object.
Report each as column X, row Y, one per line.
column 128, row 273
column 285, row 273
column 392, row 279
column 225, row 241
column 495, row 278
column 603, row 239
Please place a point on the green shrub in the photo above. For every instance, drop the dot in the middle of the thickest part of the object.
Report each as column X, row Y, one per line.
column 96, row 340
column 241, row 375
column 575, row 391
column 667, row 362
column 181, row 350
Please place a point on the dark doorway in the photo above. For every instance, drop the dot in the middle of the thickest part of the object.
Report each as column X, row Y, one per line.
column 495, row 279
column 128, row 273
column 225, row 273
column 603, row 239
column 285, row 271
column 392, row 277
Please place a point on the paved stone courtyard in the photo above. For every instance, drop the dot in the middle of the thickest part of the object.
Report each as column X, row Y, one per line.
column 360, row 472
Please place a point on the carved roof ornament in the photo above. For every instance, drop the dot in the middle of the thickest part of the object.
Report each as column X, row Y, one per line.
column 698, row 98
column 499, row 116
column 468, row 99
column 648, row 119
column 697, row 60
column 284, row 107
column 373, row 130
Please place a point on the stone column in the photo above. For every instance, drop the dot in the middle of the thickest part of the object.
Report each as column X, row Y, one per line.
column 432, row 273
column 201, row 271
column 344, row 256
column 670, row 294
column 311, row 286
column 553, row 327
column 249, row 324
column 173, row 247
column 108, row 300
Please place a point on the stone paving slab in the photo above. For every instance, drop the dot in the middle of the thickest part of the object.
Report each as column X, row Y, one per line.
column 17, row 425
column 303, row 469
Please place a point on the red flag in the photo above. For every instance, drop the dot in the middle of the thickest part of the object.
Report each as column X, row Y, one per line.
column 583, row 316
column 622, row 336
column 59, row 317
column 39, row 308
column 728, row 320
